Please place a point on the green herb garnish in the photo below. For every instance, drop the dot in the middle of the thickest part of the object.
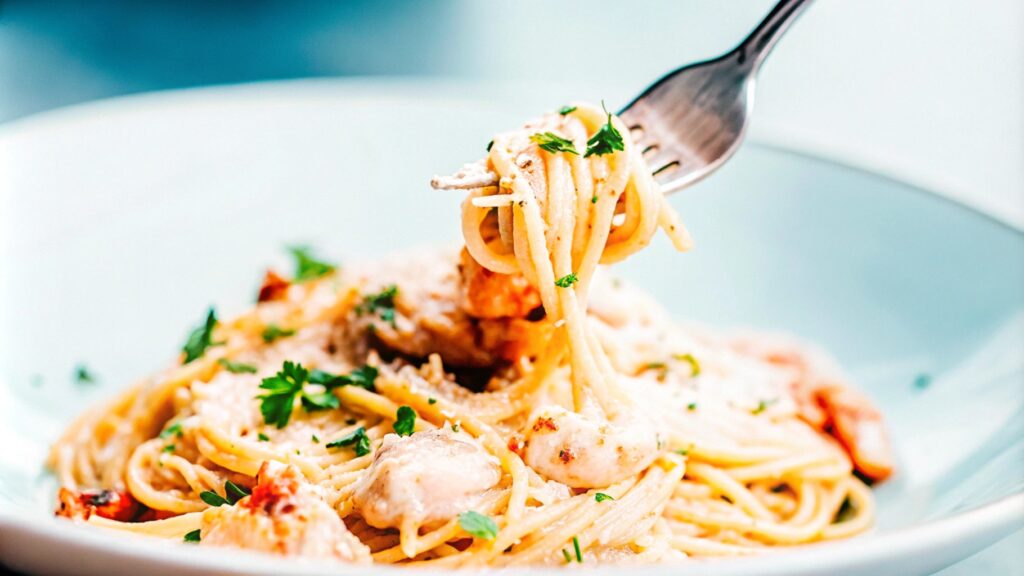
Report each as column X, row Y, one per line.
column 593, row 199
column 237, row 367
column 601, row 497
column 689, row 359
column 478, row 525
column 554, row 143
column 357, row 439
column 431, row 401
column 576, row 547
column 307, row 266
column 682, row 452
column 263, row 437
column 316, row 439
column 234, row 492
column 172, row 430
column 382, row 304
column 490, row 145
column 168, row 449
column 212, row 498
column 201, row 338
column 193, row 536
column 763, row 405
column 606, row 140
column 82, row 375
column 567, row 280
column 691, row 406
column 405, row 421
column 272, row 332
column 363, row 377
column 566, row 110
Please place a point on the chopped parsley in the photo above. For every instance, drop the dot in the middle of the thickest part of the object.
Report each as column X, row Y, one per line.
column 235, row 492
column 307, row 266
column 192, row 536
column 478, row 525
column 431, row 401
column 168, row 449
column 83, row 375
column 272, row 332
column 172, row 430
column 363, row 377
column 763, row 405
column 405, row 421
column 357, row 439
column 593, row 199
column 689, row 359
column 606, row 140
column 691, row 406
column 554, row 143
column 382, row 304
column 576, row 547
column 212, row 498
column 282, row 388
column 316, row 439
column 263, row 437
column 566, row 110
column 922, row 381
column 456, row 427
column 490, row 145
column 567, row 280
column 201, row 338
column 682, row 452
column 237, row 367
column 601, row 497
column 567, row 556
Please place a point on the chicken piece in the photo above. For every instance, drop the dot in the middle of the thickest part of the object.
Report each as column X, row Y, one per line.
column 492, row 295
column 586, row 450
column 284, row 515
column 431, row 317
column 425, row 479
column 824, row 400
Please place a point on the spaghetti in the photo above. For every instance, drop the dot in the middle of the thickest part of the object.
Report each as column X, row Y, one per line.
column 505, row 406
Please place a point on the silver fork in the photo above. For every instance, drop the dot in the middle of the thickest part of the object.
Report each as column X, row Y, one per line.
column 692, row 120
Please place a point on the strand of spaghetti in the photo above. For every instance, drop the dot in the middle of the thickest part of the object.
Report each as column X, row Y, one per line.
column 174, row 527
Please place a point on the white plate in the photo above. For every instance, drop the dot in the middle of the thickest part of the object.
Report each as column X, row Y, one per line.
column 121, row 221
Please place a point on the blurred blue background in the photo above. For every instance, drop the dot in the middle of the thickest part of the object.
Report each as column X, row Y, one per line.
column 931, row 91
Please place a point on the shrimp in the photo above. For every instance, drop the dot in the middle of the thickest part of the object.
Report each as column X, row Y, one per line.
column 824, row 400
column 424, row 479
column 284, row 515
column 492, row 295
column 585, row 450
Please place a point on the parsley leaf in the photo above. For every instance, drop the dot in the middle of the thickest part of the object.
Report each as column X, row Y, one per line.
column 272, row 332
column 200, row 338
column 168, row 449
column 237, row 367
column 606, row 140
column 307, row 266
column 83, row 375
column 363, row 377
column 212, row 498
column 263, row 437
column 554, row 143
column 565, row 110
column 357, row 439
column 478, row 525
column 405, row 421
column 763, row 405
column 172, row 430
column 567, row 280
column 490, row 145
column 282, row 388
column 593, row 199
column 234, row 492
column 682, row 452
column 192, row 536
column 689, row 359
column 319, row 401
column 601, row 497
column 381, row 303
column 691, row 406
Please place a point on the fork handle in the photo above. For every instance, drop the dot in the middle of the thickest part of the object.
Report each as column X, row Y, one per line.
column 755, row 48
